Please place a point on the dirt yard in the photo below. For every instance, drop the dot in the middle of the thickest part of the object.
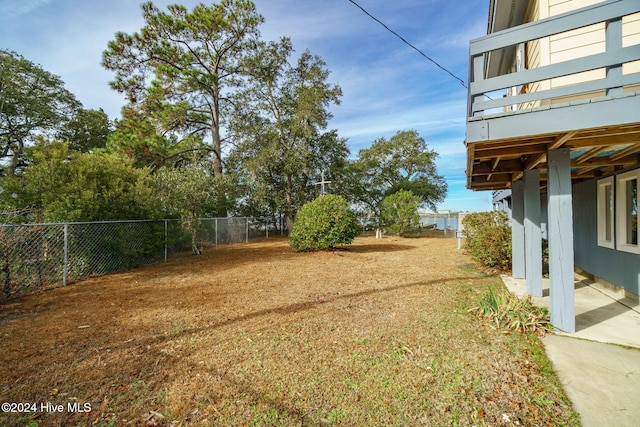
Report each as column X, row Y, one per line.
column 376, row 333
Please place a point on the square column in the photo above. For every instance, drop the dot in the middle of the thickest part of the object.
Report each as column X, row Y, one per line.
column 532, row 233
column 517, row 230
column 560, row 229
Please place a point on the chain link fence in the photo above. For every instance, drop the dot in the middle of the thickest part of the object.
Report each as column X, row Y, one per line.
column 40, row 256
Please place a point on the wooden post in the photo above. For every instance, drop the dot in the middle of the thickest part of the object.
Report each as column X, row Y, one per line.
column 613, row 34
column 560, row 229
column 517, row 230
column 532, row 233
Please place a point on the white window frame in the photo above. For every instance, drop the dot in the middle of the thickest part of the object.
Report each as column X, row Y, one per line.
column 606, row 207
column 621, row 210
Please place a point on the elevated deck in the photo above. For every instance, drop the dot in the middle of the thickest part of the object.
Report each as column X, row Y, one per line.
column 600, row 124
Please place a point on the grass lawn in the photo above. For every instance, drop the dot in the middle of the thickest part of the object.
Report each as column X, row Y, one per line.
column 374, row 334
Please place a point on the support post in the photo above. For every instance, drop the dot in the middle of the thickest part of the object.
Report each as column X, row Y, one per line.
column 560, row 229
column 532, row 233
column 517, row 230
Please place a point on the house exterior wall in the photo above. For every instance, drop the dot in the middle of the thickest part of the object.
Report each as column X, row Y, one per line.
column 611, row 265
column 570, row 45
column 536, row 55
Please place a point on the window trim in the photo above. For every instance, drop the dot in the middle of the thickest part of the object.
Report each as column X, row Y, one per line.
column 621, row 209
column 602, row 212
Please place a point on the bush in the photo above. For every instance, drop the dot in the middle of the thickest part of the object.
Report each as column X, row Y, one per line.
column 506, row 311
column 488, row 238
column 324, row 223
column 399, row 212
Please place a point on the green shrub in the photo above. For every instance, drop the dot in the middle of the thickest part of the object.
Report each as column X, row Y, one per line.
column 506, row 311
column 399, row 212
column 324, row 223
column 488, row 238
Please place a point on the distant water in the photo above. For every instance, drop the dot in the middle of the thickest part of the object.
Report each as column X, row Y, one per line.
column 442, row 223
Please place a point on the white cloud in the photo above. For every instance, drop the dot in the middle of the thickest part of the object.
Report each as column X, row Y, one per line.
column 10, row 9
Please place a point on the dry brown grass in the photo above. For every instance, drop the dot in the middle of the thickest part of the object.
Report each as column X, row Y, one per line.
column 255, row 334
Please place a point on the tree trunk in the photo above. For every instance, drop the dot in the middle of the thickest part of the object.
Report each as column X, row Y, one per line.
column 15, row 158
column 217, row 150
column 288, row 214
column 217, row 167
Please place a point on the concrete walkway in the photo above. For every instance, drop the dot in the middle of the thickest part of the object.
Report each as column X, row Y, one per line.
column 601, row 377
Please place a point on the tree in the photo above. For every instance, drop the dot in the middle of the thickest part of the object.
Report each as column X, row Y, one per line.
column 403, row 162
column 280, row 120
column 399, row 212
column 180, row 66
column 187, row 193
column 61, row 184
column 137, row 136
column 87, row 130
column 324, row 223
column 32, row 102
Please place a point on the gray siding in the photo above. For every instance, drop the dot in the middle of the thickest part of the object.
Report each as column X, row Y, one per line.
column 619, row 268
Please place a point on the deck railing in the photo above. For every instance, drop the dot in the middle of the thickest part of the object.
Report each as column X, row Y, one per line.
column 615, row 55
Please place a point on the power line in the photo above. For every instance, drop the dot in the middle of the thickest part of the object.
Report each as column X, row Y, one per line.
column 409, row 44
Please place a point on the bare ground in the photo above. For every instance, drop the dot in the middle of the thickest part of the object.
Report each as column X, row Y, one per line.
column 374, row 334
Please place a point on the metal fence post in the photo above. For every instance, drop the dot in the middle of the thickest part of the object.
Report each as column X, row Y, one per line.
column 165, row 240
column 65, row 267
column 41, row 243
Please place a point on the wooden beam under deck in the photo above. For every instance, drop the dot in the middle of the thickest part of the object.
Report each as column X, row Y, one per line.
column 494, row 165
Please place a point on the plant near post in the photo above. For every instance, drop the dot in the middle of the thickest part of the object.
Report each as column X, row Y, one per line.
column 488, row 238
column 399, row 212
column 506, row 311
column 188, row 193
column 323, row 224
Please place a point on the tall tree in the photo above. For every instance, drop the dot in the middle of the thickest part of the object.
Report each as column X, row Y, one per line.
column 32, row 102
column 87, row 130
column 403, row 162
column 280, row 128
column 181, row 65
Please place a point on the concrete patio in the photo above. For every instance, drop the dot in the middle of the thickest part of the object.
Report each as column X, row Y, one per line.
column 599, row 364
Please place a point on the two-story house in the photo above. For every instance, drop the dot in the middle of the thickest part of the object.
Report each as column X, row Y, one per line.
column 554, row 117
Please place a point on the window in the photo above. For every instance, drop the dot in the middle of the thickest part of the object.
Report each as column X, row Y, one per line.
column 605, row 213
column 627, row 209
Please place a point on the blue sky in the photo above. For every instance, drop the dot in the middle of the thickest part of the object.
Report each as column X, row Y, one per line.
column 387, row 86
